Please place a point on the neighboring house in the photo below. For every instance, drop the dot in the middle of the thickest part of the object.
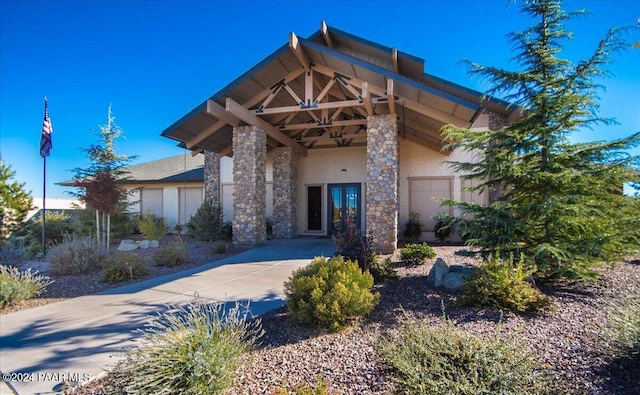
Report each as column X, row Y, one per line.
column 171, row 188
column 342, row 129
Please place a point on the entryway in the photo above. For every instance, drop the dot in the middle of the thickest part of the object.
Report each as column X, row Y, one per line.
column 344, row 206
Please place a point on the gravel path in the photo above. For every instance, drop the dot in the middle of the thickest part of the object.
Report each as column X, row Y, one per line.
column 567, row 338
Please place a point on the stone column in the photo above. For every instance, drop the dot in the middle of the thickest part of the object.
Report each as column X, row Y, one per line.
column 250, row 186
column 284, row 193
column 212, row 178
column 496, row 122
column 382, row 182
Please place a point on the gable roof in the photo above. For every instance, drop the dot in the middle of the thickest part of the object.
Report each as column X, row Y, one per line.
column 317, row 92
column 177, row 168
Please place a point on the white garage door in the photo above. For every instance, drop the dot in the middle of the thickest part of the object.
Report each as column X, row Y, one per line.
column 151, row 201
column 189, row 200
column 422, row 192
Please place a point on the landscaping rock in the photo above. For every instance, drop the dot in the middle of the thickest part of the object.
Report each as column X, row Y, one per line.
column 144, row 244
column 454, row 280
column 128, row 245
column 437, row 273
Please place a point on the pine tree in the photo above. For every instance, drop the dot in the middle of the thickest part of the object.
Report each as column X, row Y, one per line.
column 560, row 203
column 15, row 202
column 100, row 185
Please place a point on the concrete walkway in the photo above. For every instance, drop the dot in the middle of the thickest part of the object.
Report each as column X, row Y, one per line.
column 82, row 337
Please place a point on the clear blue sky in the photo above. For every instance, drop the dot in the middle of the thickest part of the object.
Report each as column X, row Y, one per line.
column 154, row 61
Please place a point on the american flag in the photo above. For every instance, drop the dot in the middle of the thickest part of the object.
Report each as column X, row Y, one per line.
column 47, row 130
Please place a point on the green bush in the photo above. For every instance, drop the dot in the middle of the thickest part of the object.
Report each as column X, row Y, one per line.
column 327, row 293
column 502, row 284
column 16, row 285
column 382, row 269
column 624, row 328
column 174, row 254
column 123, row 224
column 152, row 227
column 58, row 225
column 207, row 224
column 220, row 248
column 191, row 349
column 444, row 226
column 413, row 227
column 441, row 359
column 354, row 246
column 76, row 255
column 415, row 254
column 123, row 266
column 304, row 388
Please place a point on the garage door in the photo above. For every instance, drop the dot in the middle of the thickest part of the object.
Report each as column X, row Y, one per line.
column 190, row 199
column 422, row 194
column 151, row 201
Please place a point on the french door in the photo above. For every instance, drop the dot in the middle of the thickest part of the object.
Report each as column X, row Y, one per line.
column 344, row 206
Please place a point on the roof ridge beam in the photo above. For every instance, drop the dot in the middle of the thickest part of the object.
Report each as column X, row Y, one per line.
column 298, row 51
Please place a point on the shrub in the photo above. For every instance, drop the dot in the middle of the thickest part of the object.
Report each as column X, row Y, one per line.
column 207, row 224
column 152, row 227
column 415, row 254
column 382, row 269
column 220, row 248
column 354, row 246
column 624, row 328
column 191, row 349
column 304, row 388
column 441, row 359
column 413, row 227
column 174, row 254
column 327, row 293
column 11, row 256
column 58, row 225
column 16, row 285
column 76, row 255
column 123, row 266
column 444, row 226
column 502, row 285
column 123, row 224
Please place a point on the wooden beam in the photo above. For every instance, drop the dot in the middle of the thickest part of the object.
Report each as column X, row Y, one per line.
column 426, row 143
column 216, row 110
column 197, row 139
column 250, row 103
column 325, row 34
column 319, row 106
column 329, row 138
column 366, row 98
column 408, row 103
column 308, row 87
column 348, row 122
column 298, row 51
column 250, row 118
column 391, row 98
column 394, row 58
column 226, row 151
column 197, row 151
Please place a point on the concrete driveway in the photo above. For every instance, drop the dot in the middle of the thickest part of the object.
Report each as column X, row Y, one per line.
column 80, row 338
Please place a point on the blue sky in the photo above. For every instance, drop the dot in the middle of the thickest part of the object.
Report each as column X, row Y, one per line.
column 154, row 61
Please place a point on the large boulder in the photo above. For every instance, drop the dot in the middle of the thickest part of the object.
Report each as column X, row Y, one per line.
column 454, row 280
column 128, row 245
column 437, row 272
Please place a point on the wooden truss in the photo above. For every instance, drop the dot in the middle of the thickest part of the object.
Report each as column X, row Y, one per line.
column 324, row 108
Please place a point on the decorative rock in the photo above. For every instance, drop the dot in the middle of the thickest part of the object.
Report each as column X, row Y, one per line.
column 468, row 270
column 144, row 244
column 437, row 273
column 454, row 280
column 128, row 245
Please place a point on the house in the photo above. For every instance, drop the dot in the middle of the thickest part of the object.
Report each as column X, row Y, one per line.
column 342, row 129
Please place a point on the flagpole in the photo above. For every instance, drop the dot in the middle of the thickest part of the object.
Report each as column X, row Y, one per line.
column 44, row 206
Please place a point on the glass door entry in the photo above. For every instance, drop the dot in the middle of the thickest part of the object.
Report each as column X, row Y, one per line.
column 344, row 206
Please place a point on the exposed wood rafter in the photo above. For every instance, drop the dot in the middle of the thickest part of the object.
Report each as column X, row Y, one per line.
column 219, row 112
column 366, row 99
column 391, row 99
column 394, row 58
column 298, row 51
column 325, row 34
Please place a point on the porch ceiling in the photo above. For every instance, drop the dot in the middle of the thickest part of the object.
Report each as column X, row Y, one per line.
column 317, row 92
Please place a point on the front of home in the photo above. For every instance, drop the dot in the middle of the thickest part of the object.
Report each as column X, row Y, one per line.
column 330, row 129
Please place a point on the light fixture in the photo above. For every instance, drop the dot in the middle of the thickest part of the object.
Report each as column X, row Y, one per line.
column 344, row 170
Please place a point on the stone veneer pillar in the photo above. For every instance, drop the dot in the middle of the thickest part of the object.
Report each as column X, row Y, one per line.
column 284, row 193
column 250, row 186
column 496, row 122
column 212, row 178
column 382, row 182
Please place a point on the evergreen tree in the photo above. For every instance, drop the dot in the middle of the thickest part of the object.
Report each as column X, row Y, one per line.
column 560, row 203
column 100, row 186
column 15, row 202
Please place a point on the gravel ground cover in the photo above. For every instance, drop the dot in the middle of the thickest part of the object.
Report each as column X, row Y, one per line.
column 65, row 287
column 567, row 338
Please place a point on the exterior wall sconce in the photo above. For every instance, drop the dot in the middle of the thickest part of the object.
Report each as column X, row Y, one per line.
column 343, row 170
